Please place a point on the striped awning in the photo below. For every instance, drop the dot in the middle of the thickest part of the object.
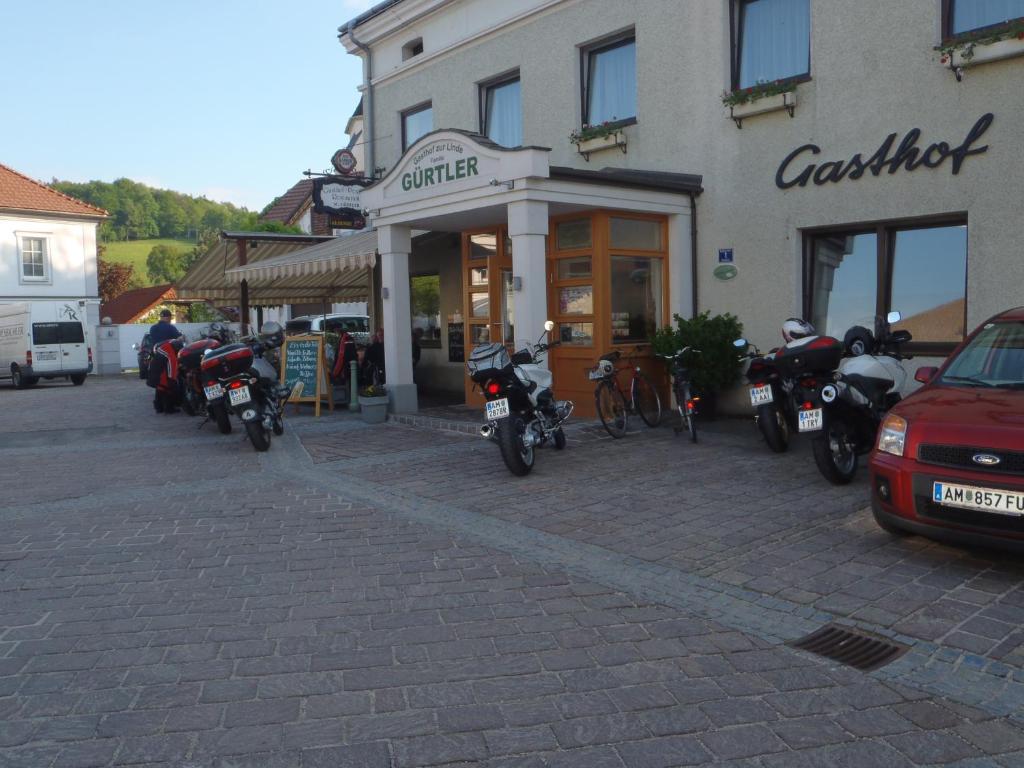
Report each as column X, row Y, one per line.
column 339, row 254
column 284, row 269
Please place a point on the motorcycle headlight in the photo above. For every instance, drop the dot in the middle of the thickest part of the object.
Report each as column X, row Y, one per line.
column 892, row 437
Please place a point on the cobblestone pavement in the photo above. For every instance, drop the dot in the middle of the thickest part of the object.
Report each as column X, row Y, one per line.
column 390, row 596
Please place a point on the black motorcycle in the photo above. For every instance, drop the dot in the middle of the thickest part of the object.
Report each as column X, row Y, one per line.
column 251, row 384
column 521, row 410
column 770, row 395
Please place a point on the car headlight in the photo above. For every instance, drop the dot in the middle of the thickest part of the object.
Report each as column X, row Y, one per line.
column 892, row 437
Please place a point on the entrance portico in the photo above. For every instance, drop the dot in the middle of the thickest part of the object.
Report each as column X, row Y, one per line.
column 505, row 202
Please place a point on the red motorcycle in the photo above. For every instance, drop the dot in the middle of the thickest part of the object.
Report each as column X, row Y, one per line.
column 193, row 387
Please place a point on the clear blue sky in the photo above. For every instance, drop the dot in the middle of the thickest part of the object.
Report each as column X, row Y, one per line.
column 228, row 98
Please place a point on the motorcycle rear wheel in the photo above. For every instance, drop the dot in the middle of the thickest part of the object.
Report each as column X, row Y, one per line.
column 611, row 408
column 560, row 439
column 222, row 417
column 772, row 423
column 258, row 435
column 834, row 454
column 187, row 405
column 518, row 458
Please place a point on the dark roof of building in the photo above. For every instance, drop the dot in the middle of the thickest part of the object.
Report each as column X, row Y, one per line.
column 685, row 183
column 20, row 193
column 359, row 109
column 288, row 207
column 131, row 305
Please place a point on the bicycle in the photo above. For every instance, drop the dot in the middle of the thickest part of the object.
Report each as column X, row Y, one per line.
column 686, row 400
column 610, row 397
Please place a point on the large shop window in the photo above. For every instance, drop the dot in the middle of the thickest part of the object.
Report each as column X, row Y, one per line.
column 968, row 15
column 416, row 123
column 772, row 41
column 609, row 77
column 637, row 292
column 502, row 112
column 921, row 271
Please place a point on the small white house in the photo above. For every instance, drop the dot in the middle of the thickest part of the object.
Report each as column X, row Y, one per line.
column 48, row 249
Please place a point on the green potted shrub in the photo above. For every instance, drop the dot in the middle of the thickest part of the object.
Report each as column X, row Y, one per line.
column 373, row 403
column 717, row 367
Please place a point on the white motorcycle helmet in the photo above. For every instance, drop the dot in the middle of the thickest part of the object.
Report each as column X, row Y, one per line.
column 795, row 328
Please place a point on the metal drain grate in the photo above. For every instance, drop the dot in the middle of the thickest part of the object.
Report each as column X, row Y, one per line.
column 851, row 647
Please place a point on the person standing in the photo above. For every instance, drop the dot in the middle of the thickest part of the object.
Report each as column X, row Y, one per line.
column 163, row 330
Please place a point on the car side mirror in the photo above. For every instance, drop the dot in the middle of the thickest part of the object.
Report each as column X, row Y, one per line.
column 926, row 374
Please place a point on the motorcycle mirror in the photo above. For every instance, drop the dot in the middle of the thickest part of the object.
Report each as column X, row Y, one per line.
column 740, row 343
column 549, row 325
column 893, row 317
column 135, row 347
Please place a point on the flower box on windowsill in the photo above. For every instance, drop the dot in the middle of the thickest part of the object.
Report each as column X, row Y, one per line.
column 739, row 112
column 615, row 139
column 980, row 53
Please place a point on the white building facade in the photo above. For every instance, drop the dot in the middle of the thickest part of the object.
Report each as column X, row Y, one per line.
column 48, row 250
column 878, row 170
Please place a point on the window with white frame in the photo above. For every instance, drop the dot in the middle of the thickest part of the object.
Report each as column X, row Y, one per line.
column 609, row 81
column 970, row 15
column 34, row 259
column 416, row 123
column 772, row 41
column 502, row 111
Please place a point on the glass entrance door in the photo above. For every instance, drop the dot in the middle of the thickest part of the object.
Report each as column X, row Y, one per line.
column 487, row 292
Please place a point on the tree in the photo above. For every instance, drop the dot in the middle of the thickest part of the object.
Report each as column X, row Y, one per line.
column 166, row 264
column 114, row 279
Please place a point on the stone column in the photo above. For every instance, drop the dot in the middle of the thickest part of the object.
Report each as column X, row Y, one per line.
column 394, row 244
column 527, row 226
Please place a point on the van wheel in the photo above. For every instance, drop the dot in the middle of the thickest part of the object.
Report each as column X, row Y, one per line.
column 19, row 381
column 78, row 379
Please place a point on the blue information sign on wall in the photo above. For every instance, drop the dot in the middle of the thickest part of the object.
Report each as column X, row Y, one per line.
column 725, row 255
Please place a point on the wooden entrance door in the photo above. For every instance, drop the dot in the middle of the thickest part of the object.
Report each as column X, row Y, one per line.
column 487, row 293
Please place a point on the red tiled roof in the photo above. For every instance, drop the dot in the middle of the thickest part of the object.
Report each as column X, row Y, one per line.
column 131, row 305
column 19, row 192
column 288, row 207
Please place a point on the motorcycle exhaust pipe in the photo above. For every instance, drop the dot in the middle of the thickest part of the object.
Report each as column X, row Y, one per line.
column 487, row 431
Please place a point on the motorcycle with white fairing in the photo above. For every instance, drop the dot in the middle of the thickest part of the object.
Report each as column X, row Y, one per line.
column 521, row 411
column 843, row 390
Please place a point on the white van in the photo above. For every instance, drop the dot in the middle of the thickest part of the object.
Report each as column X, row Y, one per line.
column 358, row 326
column 42, row 340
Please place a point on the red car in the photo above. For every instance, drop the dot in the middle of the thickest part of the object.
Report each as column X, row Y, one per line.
column 949, row 459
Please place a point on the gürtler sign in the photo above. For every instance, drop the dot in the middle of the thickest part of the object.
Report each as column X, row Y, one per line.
column 796, row 171
column 440, row 163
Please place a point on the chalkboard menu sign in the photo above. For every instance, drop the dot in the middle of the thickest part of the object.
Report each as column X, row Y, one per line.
column 303, row 363
column 456, row 343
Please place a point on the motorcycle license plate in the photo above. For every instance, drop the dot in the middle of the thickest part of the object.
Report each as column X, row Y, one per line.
column 810, row 420
column 761, row 395
column 496, row 409
column 239, row 396
column 1001, row 502
column 213, row 391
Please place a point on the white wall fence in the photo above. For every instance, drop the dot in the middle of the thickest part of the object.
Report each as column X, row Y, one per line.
column 114, row 351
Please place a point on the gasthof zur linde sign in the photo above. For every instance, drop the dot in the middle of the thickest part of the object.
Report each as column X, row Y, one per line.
column 437, row 164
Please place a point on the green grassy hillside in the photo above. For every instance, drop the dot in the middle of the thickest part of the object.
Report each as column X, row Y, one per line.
column 134, row 252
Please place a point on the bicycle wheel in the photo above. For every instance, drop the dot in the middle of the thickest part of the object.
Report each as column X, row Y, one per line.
column 611, row 408
column 689, row 408
column 646, row 400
